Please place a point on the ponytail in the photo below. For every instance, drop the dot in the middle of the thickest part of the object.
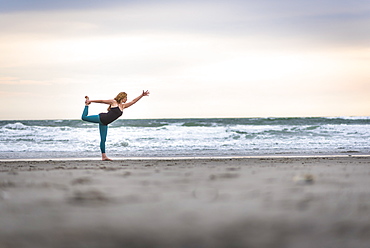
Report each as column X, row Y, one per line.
column 119, row 98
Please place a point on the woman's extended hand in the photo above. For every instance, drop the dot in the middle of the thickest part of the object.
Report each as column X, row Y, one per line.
column 145, row 93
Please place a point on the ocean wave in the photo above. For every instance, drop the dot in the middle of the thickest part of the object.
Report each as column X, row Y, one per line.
column 15, row 126
column 170, row 137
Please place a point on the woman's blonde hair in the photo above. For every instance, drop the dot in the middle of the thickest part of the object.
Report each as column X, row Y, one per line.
column 119, row 98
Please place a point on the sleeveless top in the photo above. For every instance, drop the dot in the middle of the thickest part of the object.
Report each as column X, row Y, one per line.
column 111, row 116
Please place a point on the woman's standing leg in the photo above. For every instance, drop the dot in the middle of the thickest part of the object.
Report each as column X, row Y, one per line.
column 103, row 137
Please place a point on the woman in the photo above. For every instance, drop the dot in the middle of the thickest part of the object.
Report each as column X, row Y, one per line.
column 116, row 106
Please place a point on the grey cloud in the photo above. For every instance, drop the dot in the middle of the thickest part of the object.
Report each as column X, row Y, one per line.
column 50, row 5
column 336, row 21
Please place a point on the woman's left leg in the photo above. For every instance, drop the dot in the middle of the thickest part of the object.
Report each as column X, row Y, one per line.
column 103, row 138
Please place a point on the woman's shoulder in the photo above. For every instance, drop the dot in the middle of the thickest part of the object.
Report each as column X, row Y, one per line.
column 113, row 103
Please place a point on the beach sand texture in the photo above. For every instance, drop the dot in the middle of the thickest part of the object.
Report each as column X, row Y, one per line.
column 211, row 202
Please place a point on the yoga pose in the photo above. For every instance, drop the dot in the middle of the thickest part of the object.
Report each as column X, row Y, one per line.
column 116, row 106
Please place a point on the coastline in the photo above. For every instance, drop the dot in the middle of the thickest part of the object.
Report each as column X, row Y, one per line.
column 268, row 201
column 190, row 157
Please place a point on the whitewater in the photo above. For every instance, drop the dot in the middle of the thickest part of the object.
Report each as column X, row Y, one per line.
column 213, row 137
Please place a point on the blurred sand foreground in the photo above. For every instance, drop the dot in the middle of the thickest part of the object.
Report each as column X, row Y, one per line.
column 188, row 203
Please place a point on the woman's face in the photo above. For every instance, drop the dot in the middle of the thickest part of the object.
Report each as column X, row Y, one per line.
column 124, row 100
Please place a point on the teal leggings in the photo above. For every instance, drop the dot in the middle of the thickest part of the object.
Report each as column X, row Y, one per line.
column 102, row 128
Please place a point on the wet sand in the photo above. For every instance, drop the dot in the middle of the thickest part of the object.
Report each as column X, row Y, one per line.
column 240, row 202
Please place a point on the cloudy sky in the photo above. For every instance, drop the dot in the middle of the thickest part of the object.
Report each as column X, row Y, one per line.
column 235, row 58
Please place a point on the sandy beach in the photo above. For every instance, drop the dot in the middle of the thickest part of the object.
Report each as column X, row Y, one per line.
column 275, row 202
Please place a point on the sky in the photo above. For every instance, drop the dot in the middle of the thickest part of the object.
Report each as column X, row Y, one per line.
column 199, row 59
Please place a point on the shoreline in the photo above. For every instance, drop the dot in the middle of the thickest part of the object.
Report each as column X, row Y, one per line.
column 187, row 157
column 270, row 202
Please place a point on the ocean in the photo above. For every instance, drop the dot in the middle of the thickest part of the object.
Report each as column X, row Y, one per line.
column 212, row 137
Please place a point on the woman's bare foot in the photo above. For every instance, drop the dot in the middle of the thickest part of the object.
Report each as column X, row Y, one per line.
column 105, row 158
column 87, row 101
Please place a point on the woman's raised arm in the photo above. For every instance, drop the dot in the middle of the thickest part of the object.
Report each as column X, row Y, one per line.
column 145, row 93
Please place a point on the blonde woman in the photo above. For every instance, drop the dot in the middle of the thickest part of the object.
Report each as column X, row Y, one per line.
column 115, row 109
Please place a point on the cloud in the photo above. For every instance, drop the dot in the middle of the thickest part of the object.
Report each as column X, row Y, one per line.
column 47, row 5
column 16, row 81
column 335, row 22
column 275, row 51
